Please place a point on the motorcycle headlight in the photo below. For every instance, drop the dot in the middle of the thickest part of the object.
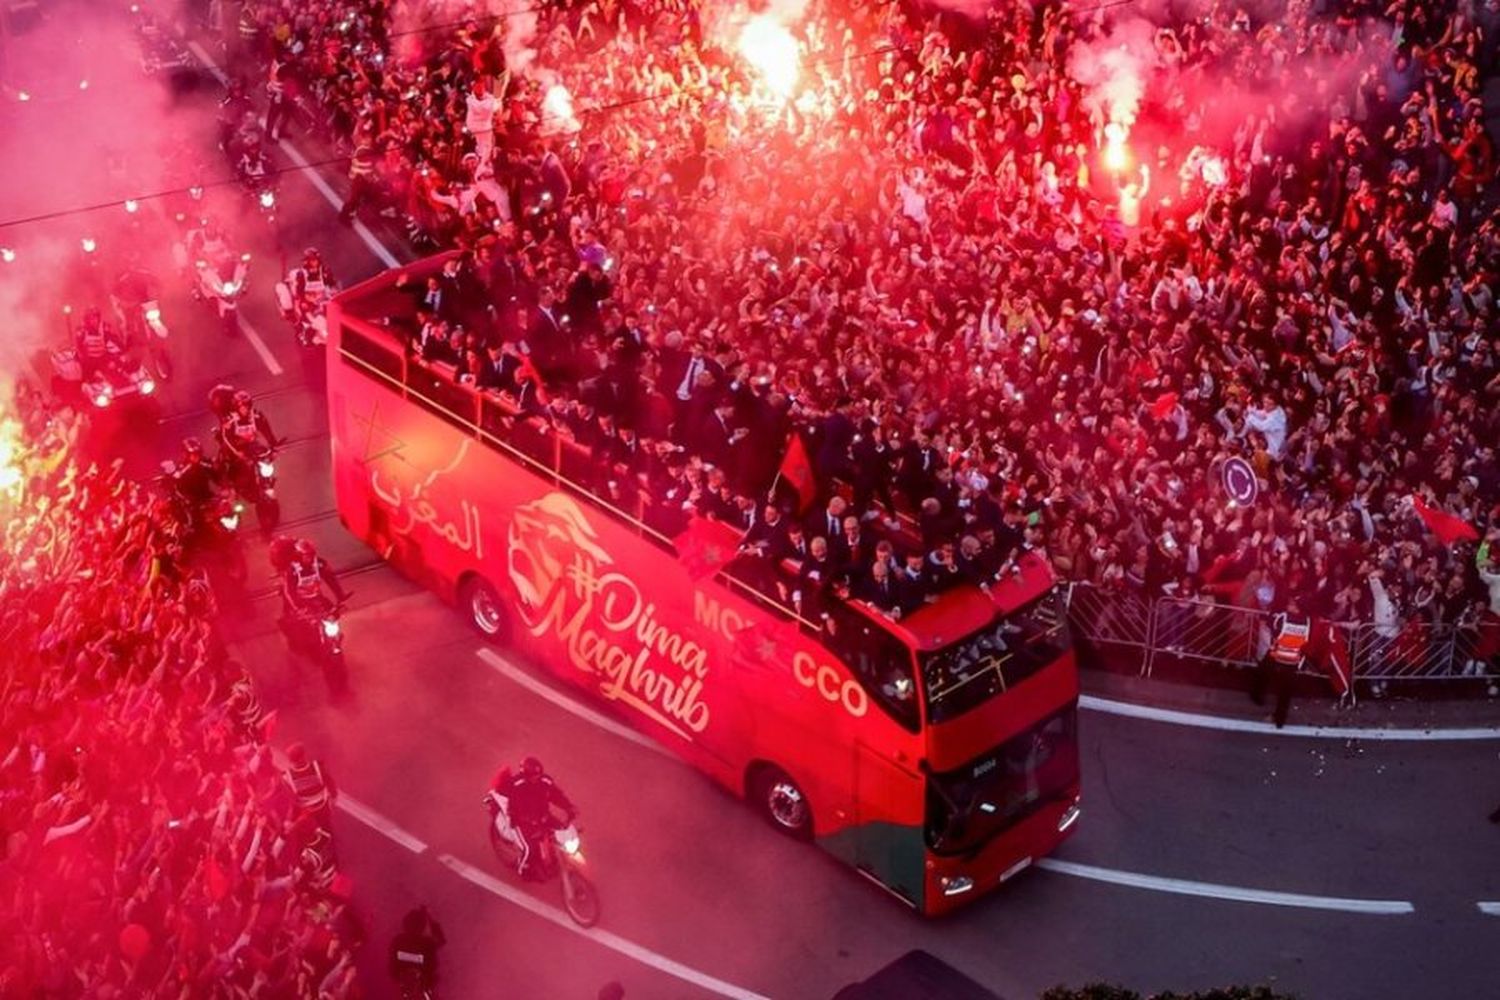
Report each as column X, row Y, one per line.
column 570, row 844
column 330, row 627
column 230, row 287
column 266, row 469
column 267, row 199
column 148, row 386
column 231, row 522
column 153, row 315
column 101, row 399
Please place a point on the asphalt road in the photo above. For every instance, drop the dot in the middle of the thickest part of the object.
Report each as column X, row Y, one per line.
column 700, row 898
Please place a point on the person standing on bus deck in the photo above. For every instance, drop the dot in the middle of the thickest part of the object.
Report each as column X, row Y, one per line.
column 479, row 118
column 1278, row 668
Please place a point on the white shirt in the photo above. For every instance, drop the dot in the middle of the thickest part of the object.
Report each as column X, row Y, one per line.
column 1271, row 423
column 481, row 116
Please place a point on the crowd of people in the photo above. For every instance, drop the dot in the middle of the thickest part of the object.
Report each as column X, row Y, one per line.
column 926, row 262
column 149, row 845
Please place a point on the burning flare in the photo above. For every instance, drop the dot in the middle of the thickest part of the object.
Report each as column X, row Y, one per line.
column 1116, row 155
column 771, row 50
column 10, row 456
column 557, row 105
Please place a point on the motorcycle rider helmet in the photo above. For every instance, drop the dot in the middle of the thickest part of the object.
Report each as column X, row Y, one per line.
column 531, row 768
column 312, row 256
column 282, row 551
column 242, row 399
column 192, row 448
column 306, row 550
column 92, row 317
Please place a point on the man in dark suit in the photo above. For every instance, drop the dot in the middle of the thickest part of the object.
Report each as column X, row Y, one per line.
column 913, row 582
column 545, row 334
column 828, row 522
column 501, row 362
column 717, row 439
column 876, row 588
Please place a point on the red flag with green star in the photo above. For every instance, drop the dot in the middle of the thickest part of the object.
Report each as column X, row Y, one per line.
column 796, row 468
column 705, row 546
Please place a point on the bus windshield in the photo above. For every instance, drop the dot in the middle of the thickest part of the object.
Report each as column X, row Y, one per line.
column 1011, row 648
column 969, row 805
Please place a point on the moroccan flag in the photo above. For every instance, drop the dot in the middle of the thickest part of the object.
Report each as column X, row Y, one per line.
column 705, row 546
column 1445, row 526
column 796, row 468
column 767, row 645
column 1329, row 650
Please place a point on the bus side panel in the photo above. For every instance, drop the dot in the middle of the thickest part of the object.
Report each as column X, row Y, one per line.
column 685, row 661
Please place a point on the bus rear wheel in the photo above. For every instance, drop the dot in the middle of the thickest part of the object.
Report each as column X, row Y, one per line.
column 483, row 606
column 781, row 801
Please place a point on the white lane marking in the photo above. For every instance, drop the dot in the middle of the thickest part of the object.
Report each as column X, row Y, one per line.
column 613, row 942
column 260, row 347
column 1176, row 718
column 360, row 229
column 1489, row 909
column 375, row 821
column 562, row 701
column 1234, row 893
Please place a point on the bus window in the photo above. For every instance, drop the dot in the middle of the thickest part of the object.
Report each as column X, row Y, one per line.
column 879, row 662
column 384, row 358
column 969, row 805
column 1005, row 652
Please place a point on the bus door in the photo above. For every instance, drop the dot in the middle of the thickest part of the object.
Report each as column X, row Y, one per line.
column 888, row 841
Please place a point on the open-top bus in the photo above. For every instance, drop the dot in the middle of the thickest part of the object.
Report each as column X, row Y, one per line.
column 936, row 754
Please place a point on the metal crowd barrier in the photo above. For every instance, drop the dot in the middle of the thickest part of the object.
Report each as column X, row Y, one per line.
column 1134, row 630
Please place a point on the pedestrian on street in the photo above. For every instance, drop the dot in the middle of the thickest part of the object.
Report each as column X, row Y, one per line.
column 1278, row 668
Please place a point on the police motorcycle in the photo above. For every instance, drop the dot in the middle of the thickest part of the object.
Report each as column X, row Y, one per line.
column 253, row 168
column 134, row 297
column 313, row 624
column 245, row 461
column 209, row 518
column 303, row 296
column 560, row 854
column 99, row 367
column 217, row 275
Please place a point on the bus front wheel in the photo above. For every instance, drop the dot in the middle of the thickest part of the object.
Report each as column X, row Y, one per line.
column 781, row 801
column 485, row 609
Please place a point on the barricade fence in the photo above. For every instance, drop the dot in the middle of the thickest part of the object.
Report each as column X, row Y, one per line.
column 1135, row 629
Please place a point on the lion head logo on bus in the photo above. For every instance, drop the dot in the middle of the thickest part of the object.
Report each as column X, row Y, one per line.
column 545, row 537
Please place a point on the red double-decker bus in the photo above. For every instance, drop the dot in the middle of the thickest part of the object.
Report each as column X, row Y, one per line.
column 937, row 755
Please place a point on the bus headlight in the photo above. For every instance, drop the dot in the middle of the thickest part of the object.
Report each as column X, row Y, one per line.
column 955, row 886
column 1069, row 817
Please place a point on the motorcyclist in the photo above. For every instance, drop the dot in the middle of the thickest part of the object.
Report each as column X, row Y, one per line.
column 96, row 342
column 244, row 433
column 252, row 165
column 304, row 574
column 132, row 289
column 232, row 111
column 209, row 243
column 530, row 797
column 193, row 480
column 309, row 284
column 414, row 949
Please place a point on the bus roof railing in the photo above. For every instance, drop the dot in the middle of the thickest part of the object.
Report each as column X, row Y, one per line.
column 959, row 611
